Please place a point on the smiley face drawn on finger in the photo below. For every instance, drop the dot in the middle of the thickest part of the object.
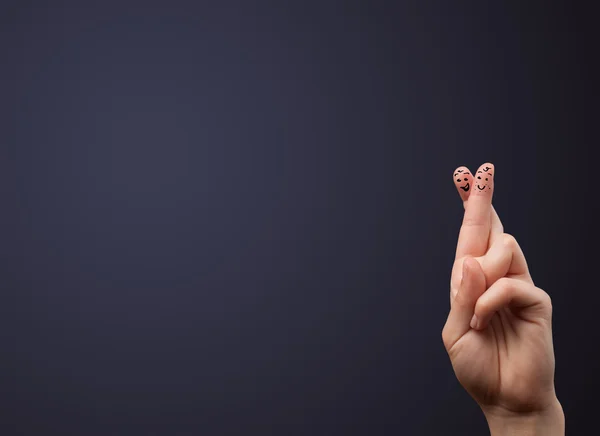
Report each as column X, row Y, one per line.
column 464, row 178
column 484, row 179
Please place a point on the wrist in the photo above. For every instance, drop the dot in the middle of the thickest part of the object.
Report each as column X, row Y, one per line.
column 547, row 422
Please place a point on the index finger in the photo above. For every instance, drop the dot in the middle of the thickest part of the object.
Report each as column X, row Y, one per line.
column 474, row 235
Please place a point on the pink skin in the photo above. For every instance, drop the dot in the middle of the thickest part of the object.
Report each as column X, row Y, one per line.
column 483, row 182
column 463, row 180
column 498, row 333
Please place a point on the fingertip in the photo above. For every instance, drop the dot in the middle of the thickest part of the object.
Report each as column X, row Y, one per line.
column 460, row 171
column 456, row 172
column 462, row 179
column 483, row 180
column 472, row 269
column 467, row 270
column 468, row 264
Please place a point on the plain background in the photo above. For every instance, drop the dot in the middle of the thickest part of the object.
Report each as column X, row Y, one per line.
column 232, row 217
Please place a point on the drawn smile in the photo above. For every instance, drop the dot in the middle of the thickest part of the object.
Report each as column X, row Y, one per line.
column 465, row 188
column 480, row 188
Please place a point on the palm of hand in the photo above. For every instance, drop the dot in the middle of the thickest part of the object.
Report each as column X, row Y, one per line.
column 509, row 364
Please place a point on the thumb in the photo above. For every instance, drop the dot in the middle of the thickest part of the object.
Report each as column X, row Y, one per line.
column 471, row 288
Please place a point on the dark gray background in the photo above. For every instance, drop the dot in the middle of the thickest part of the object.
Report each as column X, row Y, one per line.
column 239, row 218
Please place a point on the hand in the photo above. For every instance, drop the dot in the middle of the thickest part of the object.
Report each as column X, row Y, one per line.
column 499, row 330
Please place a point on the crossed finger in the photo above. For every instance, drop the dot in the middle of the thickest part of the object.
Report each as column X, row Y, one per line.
column 482, row 234
column 487, row 260
column 463, row 180
column 478, row 189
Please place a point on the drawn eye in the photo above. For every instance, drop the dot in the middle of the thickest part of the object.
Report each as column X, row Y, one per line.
column 458, row 180
column 479, row 177
column 486, row 179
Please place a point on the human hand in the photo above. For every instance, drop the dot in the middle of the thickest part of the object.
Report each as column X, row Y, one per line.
column 499, row 330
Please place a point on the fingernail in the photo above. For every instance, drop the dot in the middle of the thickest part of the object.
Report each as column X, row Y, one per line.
column 483, row 180
column 474, row 322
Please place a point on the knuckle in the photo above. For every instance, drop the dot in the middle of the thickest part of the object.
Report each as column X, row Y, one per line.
column 545, row 303
column 509, row 240
column 546, row 300
column 446, row 338
column 504, row 284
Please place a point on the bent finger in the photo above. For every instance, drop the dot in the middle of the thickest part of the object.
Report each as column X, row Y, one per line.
column 528, row 302
column 505, row 258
